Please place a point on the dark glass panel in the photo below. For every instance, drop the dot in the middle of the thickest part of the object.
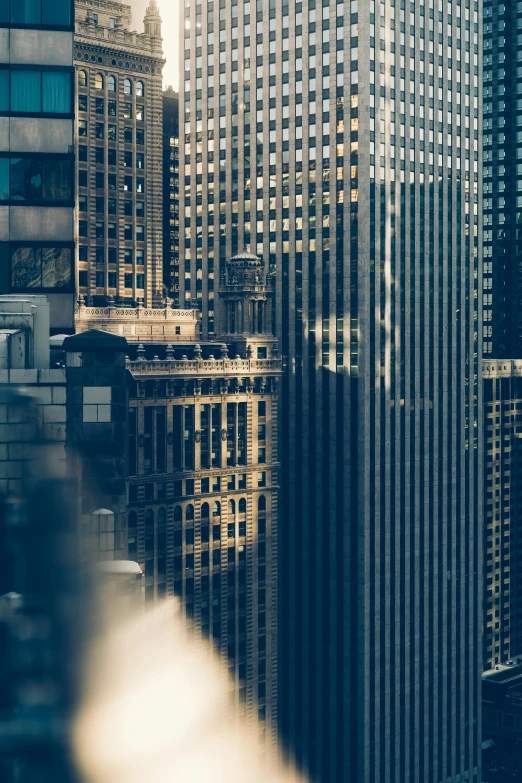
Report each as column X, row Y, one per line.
column 56, row 12
column 57, row 180
column 26, row 179
column 56, row 267
column 26, row 268
column 56, row 92
column 4, row 179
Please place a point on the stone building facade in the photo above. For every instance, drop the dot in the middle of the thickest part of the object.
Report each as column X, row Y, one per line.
column 502, row 625
column 171, row 271
column 118, row 143
column 203, row 487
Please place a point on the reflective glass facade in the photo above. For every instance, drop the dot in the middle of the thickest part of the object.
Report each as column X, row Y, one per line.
column 340, row 142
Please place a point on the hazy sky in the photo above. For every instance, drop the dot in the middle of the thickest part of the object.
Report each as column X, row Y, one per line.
column 170, row 15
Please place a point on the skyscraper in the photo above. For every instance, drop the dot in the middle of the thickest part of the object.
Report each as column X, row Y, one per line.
column 119, row 153
column 36, row 153
column 341, row 143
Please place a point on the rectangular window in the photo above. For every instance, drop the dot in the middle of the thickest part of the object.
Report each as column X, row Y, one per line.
column 112, row 109
column 127, row 208
column 177, row 432
column 216, row 435
column 140, row 136
column 112, row 206
column 188, row 437
column 140, row 233
column 83, row 103
column 51, row 13
column 128, row 280
column 111, row 132
column 83, row 128
column 100, row 204
column 45, row 268
column 127, row 111
column 205, row 436
column 140, row 257
column 140, row 209
column 100, row 106
column 140, row 160
column 82, row 154
column 148, row 435
column 127, row 135
column 100, row 255
column 100, row 180
column 112, row 231
column 111, row 157
column 99, row 155
column 140, row 185
column 111, row 181
column 127, row 184
column 100, row 130
column 140, row 281
column 127, row 255
column 112, row 279
column 127, row 231
column 36, row 179
column 140, row 112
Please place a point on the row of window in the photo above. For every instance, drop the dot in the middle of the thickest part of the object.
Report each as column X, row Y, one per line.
column 45, row 267
column 111, row 133
column 112, row 83
column 36, row 178
column 111, row 281
column 189, row 513
column 112, row 182
column 48, row 13
column 36, row 92
column 112, row 108
column 129, row 254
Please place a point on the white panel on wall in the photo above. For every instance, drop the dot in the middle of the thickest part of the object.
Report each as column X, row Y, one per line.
column 36, row 134
column 41, row 46
column 41, row 224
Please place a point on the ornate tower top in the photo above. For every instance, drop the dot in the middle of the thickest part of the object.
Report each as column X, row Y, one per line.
column 152, row 20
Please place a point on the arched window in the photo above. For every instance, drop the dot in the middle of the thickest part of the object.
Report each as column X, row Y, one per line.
column 98, row 81
column 232, row 507
column 242, row 506
column 127, row 87
column 149, row 517
column 82, row 78
column 140, row 90
column 111, row 84
column 261, row 503
column 205, row 511
column 216, row 509
column 162, row 516
column 133, row 520
column 190, row 513
column 178, row 514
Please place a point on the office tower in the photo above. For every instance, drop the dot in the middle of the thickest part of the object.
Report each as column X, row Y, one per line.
column 203, row 490
column 36, row 153
column 119, row 154
column 341, row 143
column 502, row 181
column 171, row 193
column 502, row 635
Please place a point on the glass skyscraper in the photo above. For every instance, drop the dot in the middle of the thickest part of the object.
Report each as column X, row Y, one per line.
column 36, row 153
column 341, row 143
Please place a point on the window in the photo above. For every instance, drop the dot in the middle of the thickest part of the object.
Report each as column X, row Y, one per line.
column 111, row 158
column 82, row 228
column 36, row 179
column 140, row 258
column 112, row 279
column 140, row 90
column 111, row 132
column 111, row 180
column 216, row 509
column 100, row 229
column 140, row 185
column 127, row 256
column 36, row 92
column 140, row 136
column 112, row 108
column 111, row 206
column 100, row 204
column 140, row 112
column 127, row 231
column 82, row 201
column 127, row 160
column 99, row 155
column 100, row 130
column 127, row 183
column 46, row 268
column 140, row 160
column 100, row 255
column 100, row 180
column 53, row 13
column 98, row 81
column 127, row 87
column 140, row 281
column 82, row 154
column 128, row 280
column 140, row 233
column 112, row 231
column 82, row 78
column 100, row 106
column 127, row 135
column 261, row 479
column 82, row 279
column 127, row 111
column 112, row 24
column 83, row 103
column 140, row 209
column 111, row 84
column 82, row 179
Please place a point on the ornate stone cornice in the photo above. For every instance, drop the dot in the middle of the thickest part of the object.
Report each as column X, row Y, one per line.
column 150, row 65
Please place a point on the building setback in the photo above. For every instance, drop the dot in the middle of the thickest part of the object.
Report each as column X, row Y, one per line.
column 36, row 154
column 341, row 143
column 119, row 155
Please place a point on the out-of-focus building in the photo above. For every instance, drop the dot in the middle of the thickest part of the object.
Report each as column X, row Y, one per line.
column 502, row 635
column 203, row 485
column 502, row 723
column 37, row 153
column 119, row 155
column 171, row 214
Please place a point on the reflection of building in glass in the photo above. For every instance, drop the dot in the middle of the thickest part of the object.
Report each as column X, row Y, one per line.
column 341, row 143
column 36, row 154
column 119, row 155
column 502, row 639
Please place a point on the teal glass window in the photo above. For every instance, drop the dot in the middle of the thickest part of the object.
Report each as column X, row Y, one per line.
column 26, row 89
column 4, row 179
column 52, row 13
column 56, row 12
column 56, row 92
column 4, row 90
column 26, row 12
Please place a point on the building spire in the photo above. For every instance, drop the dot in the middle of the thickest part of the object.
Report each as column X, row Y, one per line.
column 152, row 20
